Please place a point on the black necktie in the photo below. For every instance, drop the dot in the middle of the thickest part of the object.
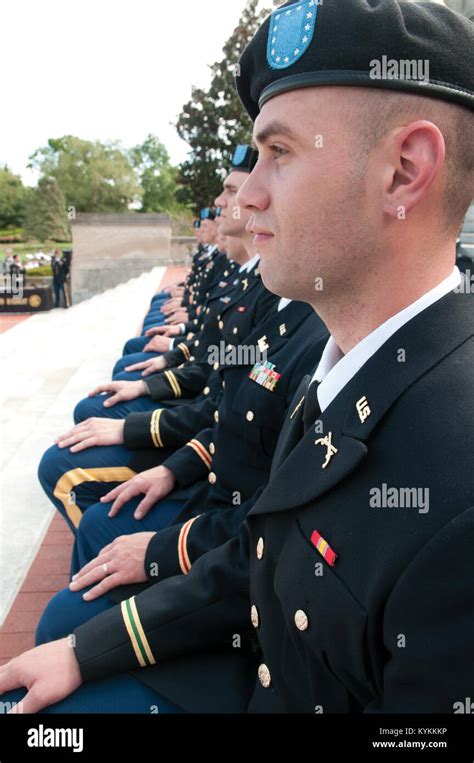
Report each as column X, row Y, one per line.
column 311, row 409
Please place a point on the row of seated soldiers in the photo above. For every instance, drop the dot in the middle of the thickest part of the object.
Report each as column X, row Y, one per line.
column 188, row 426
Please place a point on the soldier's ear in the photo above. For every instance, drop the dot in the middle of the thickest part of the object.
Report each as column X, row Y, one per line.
column 413, row 158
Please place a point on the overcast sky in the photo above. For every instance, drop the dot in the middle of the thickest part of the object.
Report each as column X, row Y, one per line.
column 104, row 69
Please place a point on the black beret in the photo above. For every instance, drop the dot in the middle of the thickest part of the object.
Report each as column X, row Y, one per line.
column 420, row 48
column 244, row 158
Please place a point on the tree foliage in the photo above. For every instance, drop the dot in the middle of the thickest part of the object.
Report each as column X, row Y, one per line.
column 46, row 216
column 214, row 120
column 13, row 198
column 158, row 178
column 93, row 176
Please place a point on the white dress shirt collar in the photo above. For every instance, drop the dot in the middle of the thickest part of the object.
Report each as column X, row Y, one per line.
column 284, row 302
column 335, row 369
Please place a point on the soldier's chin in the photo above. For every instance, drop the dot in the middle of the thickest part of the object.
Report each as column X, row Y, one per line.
column 270, row 277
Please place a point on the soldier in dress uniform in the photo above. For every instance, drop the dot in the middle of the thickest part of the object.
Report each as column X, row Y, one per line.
column 243, row 161
column 231, row 309
column 98, row 452
column 100, row 455
column 352, row 574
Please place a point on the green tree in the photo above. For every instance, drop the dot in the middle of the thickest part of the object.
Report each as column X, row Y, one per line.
column 214, row 120
column 158, row 178
column 46, row 216
column 93, row 176
column 13, row 195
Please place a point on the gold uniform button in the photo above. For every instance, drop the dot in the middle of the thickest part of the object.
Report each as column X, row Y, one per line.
column 250, row 416
column 212, row 448
column 264, row 676
column 215, row 366
column 206, row 390
column 212, row 478
column 301, row 620
column 254, row 616
column 260, row 548
column 221, row 324
column 196, row 343
column 216, row 416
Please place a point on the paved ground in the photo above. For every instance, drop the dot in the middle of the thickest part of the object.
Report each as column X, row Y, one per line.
column 49, row 362
column 35, row 544
column 8, row 321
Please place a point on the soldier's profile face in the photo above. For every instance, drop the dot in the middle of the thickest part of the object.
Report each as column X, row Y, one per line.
column 302, row 194
column 233, row 218
column 208, row 231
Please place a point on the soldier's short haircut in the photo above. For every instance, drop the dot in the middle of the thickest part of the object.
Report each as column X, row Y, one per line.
column 378, row 111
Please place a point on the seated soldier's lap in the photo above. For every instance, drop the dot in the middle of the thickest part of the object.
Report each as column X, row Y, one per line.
column 94, row 406
column 135, row 344
column 127, row 376
column 119, row 694
column 129, row 360
column 75, row 481
column 96, row 529
column 65, row 612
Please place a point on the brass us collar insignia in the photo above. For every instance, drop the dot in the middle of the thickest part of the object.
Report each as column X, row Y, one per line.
column 363, row 409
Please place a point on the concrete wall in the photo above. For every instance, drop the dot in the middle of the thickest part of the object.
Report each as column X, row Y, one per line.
column 112, row 248
column 182, row 249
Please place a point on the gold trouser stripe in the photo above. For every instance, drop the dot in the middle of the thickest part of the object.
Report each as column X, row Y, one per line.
column 203, row 454
column 69, row 480
column 173, row 383
column 185, row 350
column 183, row 556
column 155, row 428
